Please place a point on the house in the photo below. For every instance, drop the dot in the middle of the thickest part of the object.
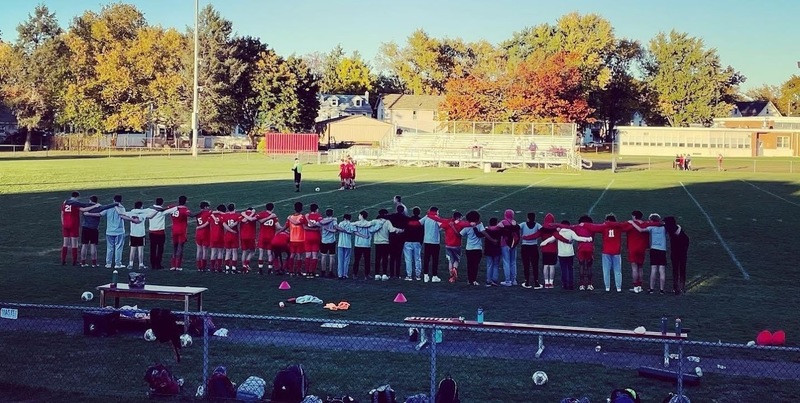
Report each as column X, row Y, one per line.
column 753, row 109
column 337, row 105
column 8, row 122
column 353, row 129
column 410, row 113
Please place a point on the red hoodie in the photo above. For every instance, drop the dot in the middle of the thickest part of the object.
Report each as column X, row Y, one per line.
column 545, row 232
column 452, row 237
column 612, row 235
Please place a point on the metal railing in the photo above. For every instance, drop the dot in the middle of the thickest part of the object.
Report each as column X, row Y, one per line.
column 512, row 128
column 66, row 352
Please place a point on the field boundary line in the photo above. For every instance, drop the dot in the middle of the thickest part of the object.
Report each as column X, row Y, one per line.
column 770, row 193
column 591, row 209
column 505, row 196
column 416, row 194
column 716, row 232
column 300, row 196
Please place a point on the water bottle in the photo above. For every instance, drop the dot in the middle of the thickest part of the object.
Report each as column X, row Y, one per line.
column 663, row 325
column 480, row 315
column 114, row 279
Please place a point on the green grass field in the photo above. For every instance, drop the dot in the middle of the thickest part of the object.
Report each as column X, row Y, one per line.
column 742, row 266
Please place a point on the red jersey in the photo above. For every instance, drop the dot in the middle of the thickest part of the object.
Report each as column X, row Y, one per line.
column 217, row 231
column 343, row 171
column 268, row 226
column 635, row 240
column 583, row 231
column 71, row 213
column 296, row 231
column 313, row 233
column 612, row 235
column 203, row 218
column 247, row 228
column 452, row 237
column 180, row 220
column 232, row 219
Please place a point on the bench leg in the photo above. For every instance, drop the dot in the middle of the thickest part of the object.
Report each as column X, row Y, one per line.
column 666, row 355
column 541, row 347
column 423, row 340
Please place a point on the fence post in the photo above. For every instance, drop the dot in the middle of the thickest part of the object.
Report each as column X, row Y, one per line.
column 433, row 362
column 680, row 368
column 205, row 318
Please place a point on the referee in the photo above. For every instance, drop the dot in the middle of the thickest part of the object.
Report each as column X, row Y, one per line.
column 298, row 173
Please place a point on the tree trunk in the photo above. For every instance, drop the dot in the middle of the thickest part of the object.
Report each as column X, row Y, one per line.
column 27, row 141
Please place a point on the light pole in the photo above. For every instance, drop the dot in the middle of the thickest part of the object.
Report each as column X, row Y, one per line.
column 195, row 104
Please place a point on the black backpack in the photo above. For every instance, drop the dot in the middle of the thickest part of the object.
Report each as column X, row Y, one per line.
column 219, row 385
column 383, row 394
column 627, row 395
column 447, row 392
column 290, row 385
column 166, row 329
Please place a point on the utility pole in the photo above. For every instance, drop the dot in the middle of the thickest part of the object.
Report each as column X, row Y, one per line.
column 195, row 100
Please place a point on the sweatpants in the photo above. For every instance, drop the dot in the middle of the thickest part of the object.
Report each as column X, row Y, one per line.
column 360, row 252
column 157, row 240
column 343, row 261
column 473, row 263
column 565, row 263
column 612, row 263
column 492, row 269
column 530, row 261
column 381, row 258
column 678, row 256
column 430, row 259
column 411, row 252
column 395, row 258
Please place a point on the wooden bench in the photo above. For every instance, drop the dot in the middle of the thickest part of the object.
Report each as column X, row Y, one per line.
column 459, row 322
column 155, row 292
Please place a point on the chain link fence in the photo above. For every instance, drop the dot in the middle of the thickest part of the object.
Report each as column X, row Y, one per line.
column 75, row 353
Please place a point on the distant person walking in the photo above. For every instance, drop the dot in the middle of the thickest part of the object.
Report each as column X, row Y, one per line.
column 719, row 162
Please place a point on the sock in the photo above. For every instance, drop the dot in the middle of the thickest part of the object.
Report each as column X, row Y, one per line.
column 308, row 266
column 94, row 262
column 179, row 261
column 74, row 255
column 219, row 264
column 63, row 254
column 260, row 263
column 298, row 265
column 290, row 265
column 83, row 261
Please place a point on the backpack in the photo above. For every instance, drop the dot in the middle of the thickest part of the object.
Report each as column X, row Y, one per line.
column 447, row 392
column 290, row 385
column 383, row 394
column 161, row 381
column 627, row 395
column 219, row 385
column 343, row 399
column 196, row 326
column 165, row 327
column 252, row 389
column 418, row 398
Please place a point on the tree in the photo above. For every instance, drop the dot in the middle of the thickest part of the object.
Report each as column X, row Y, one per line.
column 621, row 97
column 35, row 72
column 689, row 83
column 247, row 51
column 789, row 98
column 340, row 74
column 765, row 92
column 287, row 93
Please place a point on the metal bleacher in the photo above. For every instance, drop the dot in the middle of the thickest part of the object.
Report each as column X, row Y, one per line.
column 459, row 150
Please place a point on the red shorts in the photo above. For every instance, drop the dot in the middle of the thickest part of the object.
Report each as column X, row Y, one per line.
column 584, row 255
column 248, row 244
column 217, row 242
column 179, row 237
column 265, row 243
column 312, row 245
column 231, row 241
column 279, row 243
column 297, row 247
column 70, row 232
column 201, row 239
column 636, row 256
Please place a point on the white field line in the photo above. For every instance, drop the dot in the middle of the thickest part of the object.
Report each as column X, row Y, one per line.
column 337, row 189
column 719, row 236
column 770, row 193
column 505, row 196
column 416, row 194
column 591, row 209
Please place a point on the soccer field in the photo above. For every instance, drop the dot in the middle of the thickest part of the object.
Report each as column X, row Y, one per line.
column 742, row 273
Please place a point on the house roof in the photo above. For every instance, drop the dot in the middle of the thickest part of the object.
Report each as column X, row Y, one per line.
column 417, row 102
column 752, row 108
column 349, row 118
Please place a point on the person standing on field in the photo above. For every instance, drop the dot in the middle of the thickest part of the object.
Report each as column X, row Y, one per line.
column 658, row 249
column 679, row 251
column 297, row 168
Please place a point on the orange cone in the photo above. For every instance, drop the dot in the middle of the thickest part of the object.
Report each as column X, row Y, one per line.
column 400, row 298
column 284, row 286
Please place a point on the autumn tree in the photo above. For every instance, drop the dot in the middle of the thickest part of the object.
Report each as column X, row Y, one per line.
column 35, row 72
column 286, row 93
column 688, row 80
column 765, row 92
column 789, row 99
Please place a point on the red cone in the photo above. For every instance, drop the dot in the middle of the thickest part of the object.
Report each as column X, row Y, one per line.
column 284, row 286
column 764, row 338
column 400, row 298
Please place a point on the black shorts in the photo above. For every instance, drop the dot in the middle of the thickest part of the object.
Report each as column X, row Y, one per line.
column 549, row 258
column 89, row 236
column 137, row 241
column 658, row 257
column 297, row 176
column 327, row 248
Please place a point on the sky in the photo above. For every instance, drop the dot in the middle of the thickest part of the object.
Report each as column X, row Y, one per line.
column 757, row 38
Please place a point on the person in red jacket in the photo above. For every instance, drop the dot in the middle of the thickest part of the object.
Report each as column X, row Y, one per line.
column 452, row 242
column 585, row 254
column 612, row 245
column 549, row 251
column 637, row 243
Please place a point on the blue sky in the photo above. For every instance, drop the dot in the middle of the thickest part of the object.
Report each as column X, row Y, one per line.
column 758, row 39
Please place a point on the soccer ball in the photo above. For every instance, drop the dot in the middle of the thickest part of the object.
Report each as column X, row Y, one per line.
column 317, row 189
column 87, row 296
column 539, row 378
column 186, row 340
column 281, row 304
column 149, row 335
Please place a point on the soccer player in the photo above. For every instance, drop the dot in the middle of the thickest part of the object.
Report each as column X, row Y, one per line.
column 566, row 253
column 637, row 242
column 452, row 243
column 612, row 244
column 247, row 231
column 328, row 244
column 279, row 247
column 658, row 249
column 230, row 222
column 679, row 251
column 297, row 168
column 137, row 232
column 529, row 248
column 90, row 232
column 269, row 223
column 313, row 239
column 297, row 239
column 585, row 254
column 431, row 245
column 342, row 174
column 180, row 225
column 202, row 235
column 549, row 251
column 217, row 237
column 71, row 210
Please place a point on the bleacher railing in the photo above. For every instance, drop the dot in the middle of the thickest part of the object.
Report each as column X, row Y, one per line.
column 510, row 128
column 52, row 353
